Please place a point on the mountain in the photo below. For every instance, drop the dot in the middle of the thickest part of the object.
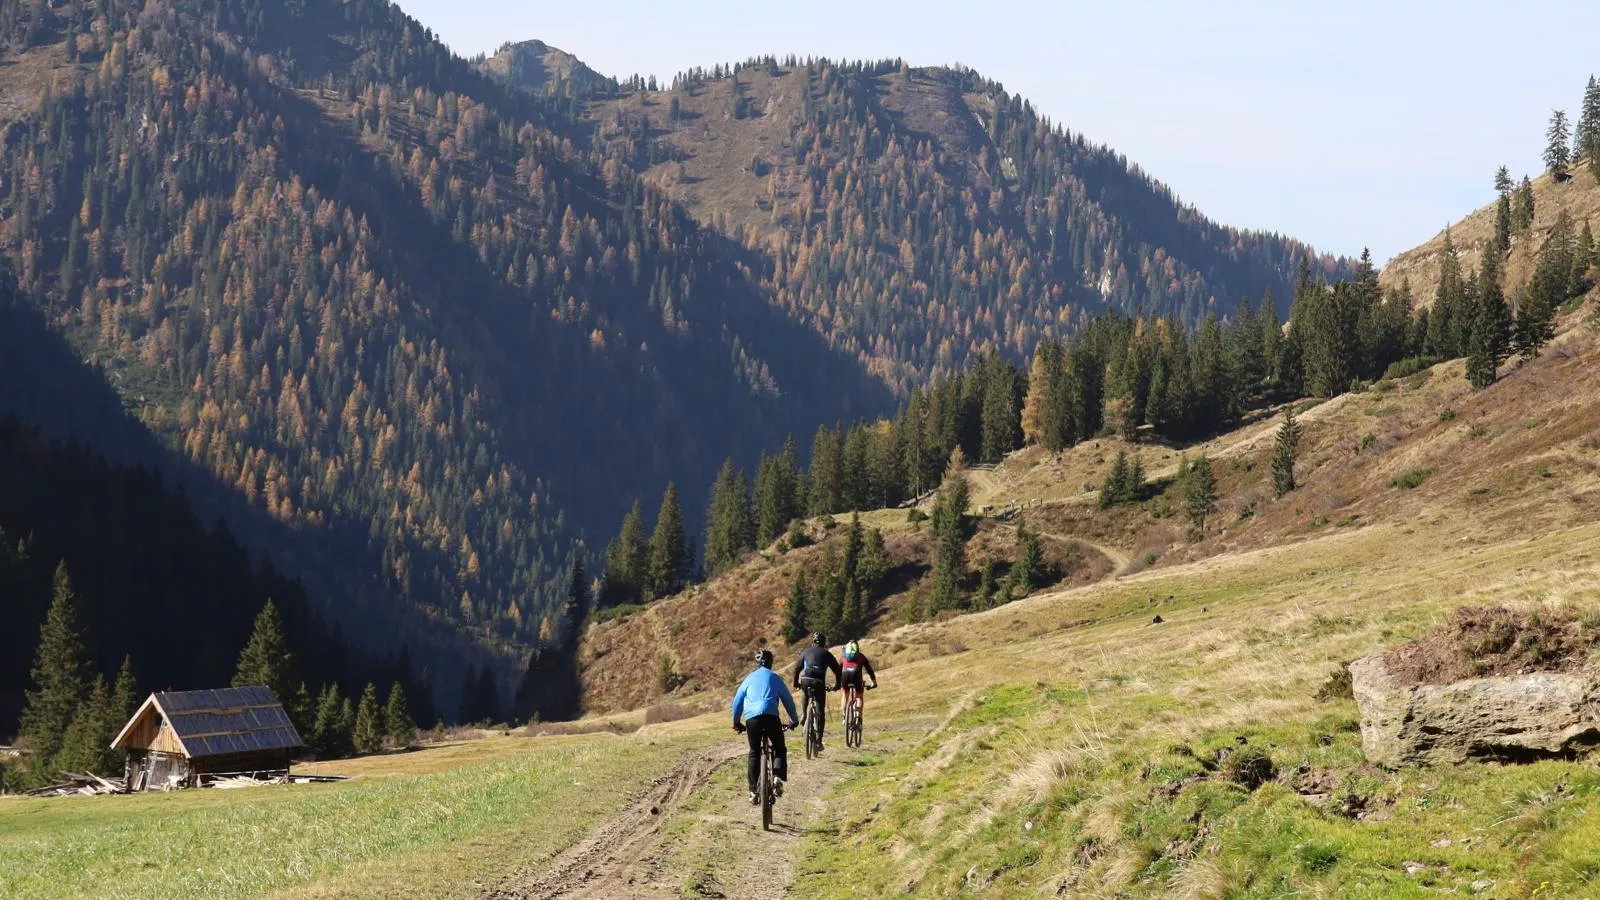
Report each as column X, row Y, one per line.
column 919, row 217
column 428, row 334
column 538, row 67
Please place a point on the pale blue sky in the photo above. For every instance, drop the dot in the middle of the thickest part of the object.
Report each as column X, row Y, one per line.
column 1345, row 124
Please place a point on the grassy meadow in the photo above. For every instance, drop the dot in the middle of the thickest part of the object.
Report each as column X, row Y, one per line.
column 447, row 821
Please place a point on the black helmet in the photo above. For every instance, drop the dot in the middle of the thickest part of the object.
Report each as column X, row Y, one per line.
column 764, row 657
column 819, row 639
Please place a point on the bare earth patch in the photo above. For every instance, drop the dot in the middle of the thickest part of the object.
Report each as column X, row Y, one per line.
column 1479, row 641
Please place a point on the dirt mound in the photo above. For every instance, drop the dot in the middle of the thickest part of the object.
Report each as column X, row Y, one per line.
column 1481, row 641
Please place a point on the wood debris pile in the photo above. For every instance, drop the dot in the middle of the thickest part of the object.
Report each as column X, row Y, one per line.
column 83, row 783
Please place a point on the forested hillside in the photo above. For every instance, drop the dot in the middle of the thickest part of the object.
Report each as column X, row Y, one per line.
column 425, row 330
column 381, row 299
column 923, row 217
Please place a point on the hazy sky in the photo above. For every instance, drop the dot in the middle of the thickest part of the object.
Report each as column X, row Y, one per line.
column 1344, row 124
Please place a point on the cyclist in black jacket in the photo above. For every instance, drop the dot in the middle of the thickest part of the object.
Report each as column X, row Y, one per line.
column 811, row 676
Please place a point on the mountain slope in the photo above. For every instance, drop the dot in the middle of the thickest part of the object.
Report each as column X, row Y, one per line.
column 1578, row 197
column 538, row 67
column 920, row 216
column 385, row 300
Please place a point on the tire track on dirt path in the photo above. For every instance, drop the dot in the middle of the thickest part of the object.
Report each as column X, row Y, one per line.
column 603, row 864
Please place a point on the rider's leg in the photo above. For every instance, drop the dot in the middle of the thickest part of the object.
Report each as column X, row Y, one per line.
column 753, row 730
column 780, row 753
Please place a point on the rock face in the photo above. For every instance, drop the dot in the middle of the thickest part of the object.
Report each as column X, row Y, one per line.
column 1510, row 717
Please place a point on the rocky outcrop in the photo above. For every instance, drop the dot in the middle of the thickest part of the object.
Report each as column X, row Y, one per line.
column 1506, row 717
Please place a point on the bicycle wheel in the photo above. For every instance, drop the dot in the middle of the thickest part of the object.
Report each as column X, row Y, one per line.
column 765, row 786
column 813, row 729
column 852, row 724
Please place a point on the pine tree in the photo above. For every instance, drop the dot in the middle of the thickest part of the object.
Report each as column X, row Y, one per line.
column 1522, row 210
column 1199, row 492
column 1502, row 181
column 985, row 598
column 950, row 537
column 124, row 703
column 1029, row 566
column 1114, row 489
column 486, row 696
column 368, row 731
column 1534, row 325
column 265, row 659
column 1557, row 151
column 1588, row 133
column 1490, row 326
column 1284, row 449
column 826, row 484
column 794, row 614
column 330, row 735
column 1502, row 223
column 873, row 566
column 626, row 555
column 999, row 410
column 669, row 553
column 84, row 743
column 59, row 675
column 401, row 728
column 1441, row 343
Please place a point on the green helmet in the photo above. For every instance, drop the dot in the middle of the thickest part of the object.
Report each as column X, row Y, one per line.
column 852, row 650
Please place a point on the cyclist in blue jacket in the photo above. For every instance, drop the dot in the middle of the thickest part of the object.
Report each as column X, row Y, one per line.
column 755, row 713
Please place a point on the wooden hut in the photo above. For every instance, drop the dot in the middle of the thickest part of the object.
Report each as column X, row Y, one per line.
column 186, row 738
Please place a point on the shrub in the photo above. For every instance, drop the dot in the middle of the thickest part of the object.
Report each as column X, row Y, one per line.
column 620, row 611
column 1339, row 686
column 1412, row 479
column 1407, row 367
column 1249, row 767
column 1366, row 443
column 1446, row 414
column 916, row 515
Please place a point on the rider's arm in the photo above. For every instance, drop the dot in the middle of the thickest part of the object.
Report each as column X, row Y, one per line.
column 738, row 702
column 838, row 673
column 788, row 701
column 867, row 664
column 798, row 665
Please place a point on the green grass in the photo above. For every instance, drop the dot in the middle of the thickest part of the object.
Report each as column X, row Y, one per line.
column 444, row 833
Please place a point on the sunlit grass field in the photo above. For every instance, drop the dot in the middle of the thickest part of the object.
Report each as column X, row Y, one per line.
column 448, row 821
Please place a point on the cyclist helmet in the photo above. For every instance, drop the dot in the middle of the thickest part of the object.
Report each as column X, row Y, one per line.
column 764, row 657
column 851, row 650
column 819, row 639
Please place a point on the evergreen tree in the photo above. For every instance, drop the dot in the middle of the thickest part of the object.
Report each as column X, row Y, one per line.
column 999, row 410
column 950, row 538
column 1502, row 223
column 1557, row 150
column 1502, row 181
column 626, row 562
column 1535, row 321
column 1490, row 326
column 730, row 532
column 669, row 552
column 60, row 678
column 826, row 488
column 1447, row 301
column 330, row 735
column 1587, row 136
column 1284, row 450
column 1199, row 492
column 83, row 746
column 368, row 732
column 486, row 696
column 401, row 728
column 1522, row 209
column 1114, row 489
column 1029, row 566
column 873, row 566
column 265, row 659
column 794, row 614
column 985, row 598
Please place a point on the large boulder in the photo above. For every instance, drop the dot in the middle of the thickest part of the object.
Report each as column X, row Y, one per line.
column 1501, row 717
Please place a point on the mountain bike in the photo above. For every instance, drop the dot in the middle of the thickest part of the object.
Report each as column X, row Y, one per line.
column 852, row 715
column 814, row 725
column 766, row 786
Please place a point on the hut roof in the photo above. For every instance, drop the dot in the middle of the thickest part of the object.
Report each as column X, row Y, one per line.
column 220, row 722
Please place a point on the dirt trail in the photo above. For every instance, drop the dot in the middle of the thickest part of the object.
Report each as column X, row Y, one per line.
column 1119, row 558
column 602, row 865
column 692, row 832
